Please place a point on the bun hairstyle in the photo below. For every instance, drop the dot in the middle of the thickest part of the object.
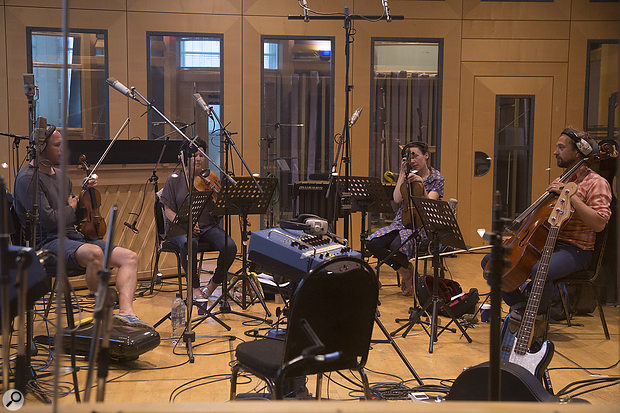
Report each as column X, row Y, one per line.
column 423, row 147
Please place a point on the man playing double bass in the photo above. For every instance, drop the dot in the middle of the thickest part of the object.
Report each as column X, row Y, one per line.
column 575, row 245
column 79, row 254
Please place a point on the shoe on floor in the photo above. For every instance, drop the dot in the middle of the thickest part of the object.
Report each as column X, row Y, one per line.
column 131, row 320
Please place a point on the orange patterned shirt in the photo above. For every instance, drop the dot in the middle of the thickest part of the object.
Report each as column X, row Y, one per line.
column 595, row 192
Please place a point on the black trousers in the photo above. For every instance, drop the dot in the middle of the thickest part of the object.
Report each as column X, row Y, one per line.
column 383, row 246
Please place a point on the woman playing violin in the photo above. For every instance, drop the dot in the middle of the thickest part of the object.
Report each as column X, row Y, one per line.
column 207, row 231
column 79, row 253
column 575, row 244
column 414, row 170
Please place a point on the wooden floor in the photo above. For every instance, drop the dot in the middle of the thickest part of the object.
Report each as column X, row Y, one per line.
column 164, row 375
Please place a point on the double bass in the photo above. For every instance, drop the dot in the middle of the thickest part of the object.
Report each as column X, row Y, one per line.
column 529, row 231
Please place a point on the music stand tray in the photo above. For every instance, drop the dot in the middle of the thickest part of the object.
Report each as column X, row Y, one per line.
column 245, row 198
column 179, row 225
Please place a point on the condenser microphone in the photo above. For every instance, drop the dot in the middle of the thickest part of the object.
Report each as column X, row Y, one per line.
column 132, row 226
column 304, row 5
column 29, row 87
column 386, row 10
column 39, row 132
column 201, row 102
column 120, row 87
column 355, row 116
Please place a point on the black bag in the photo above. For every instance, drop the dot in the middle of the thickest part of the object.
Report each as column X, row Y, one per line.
column 451, row 294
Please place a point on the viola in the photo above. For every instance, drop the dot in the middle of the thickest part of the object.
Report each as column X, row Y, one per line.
column 207, row 180
column 417, row 189
column 90, row 221
column 530, row 229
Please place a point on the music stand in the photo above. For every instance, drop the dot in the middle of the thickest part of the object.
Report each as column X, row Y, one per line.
column 179, row 227
column 243, row 199
column 441, row 227
column 179, row 224
column 367, row 195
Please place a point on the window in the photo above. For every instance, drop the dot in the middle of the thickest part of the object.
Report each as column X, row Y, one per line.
column 601, row 99
column 514, row 123
column 88, row 116
column 297, row 121
column 179, row 65
column 270, row 53
column 405, row 104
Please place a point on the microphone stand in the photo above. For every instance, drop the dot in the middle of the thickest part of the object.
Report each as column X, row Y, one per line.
column 348, row 19
column 228, row 142
column 4, row 285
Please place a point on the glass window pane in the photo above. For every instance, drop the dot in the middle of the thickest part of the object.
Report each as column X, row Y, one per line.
column 180, row 65
column 297, row 124
column 513, row 152
column 405, row 105
column 406, row 92
column 88, row 93
column 601, row 106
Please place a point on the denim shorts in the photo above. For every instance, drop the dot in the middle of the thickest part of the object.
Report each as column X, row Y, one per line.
column 73, row 241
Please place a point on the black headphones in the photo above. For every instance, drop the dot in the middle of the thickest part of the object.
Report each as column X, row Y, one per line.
column 49, row 131
column 299, row 223
column 417, row 144
column 583, row 147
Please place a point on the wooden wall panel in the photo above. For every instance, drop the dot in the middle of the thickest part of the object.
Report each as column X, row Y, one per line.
column 580, row 33
column 73, row 4
column 5, row 143
column 516, row 29
column 477, row 9
column 587, row 10
column 186, row 6
column 493, row 50
column 286, row 7
column 468, row 138
column 413, row 9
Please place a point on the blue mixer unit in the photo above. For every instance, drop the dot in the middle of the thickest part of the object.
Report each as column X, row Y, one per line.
column 292, row 253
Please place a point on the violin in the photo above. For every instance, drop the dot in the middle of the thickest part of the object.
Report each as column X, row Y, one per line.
column 90, row 221
column 207, row 180
column 417, row 189
column 530, row 229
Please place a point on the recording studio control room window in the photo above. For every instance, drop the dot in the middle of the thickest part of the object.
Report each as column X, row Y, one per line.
column 405, row 104
column 179, row 65
column 297, row 117
column 87, row 105
column 601, row 101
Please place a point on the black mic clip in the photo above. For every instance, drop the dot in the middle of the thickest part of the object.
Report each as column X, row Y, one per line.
column 132, row 226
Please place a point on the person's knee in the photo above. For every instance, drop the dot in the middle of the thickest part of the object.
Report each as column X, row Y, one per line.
column 127, row 257
column 88, row 254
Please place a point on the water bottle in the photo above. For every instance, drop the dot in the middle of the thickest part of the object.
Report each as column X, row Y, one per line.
column 177, row 316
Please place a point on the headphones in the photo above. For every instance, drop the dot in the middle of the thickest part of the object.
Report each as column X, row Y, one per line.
column 417, row 144
column 49, row 131
column 583, row 147
column 308, row 223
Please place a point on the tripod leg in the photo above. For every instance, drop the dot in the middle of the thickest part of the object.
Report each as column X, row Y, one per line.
column 389, row 339
column 433, row 337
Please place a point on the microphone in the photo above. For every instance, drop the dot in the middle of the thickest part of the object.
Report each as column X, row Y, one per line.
column 132, row 226
column 355, row 116
column 29, row 87
column 120, row 87
column 386, row 10
column 39, row 131
column 201, row 102
column 304, row 5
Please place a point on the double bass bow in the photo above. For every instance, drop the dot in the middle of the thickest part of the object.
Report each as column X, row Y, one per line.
column 528, row 232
